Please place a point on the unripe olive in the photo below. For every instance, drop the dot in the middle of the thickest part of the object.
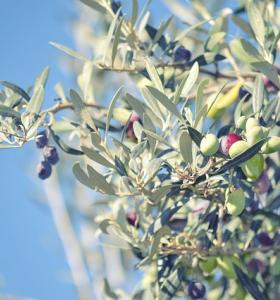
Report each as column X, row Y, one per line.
column 209, row 144
column 241, row 122
column 235, row 202
column 226, row 266
column 254, row 135
column 208, row 265
column 265, row 132
column 254, row 167
column 251, row 122
column 121, row 114
column 238, row 148
column 224, row 100
column 215, row 112
column 271, row 146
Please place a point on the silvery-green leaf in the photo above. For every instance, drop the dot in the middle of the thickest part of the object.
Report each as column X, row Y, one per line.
column 116, row 41
column 185, row 143
column 152, row 169
column 8, row 112
column 244, row 51
column 162, row 28
column 110, row 110
column 120, row 167
column 36, row 101
column 165, row 216
column 243, row 25
column 256, row 21
column 154, row 75
column 63, row 146
column 134, row 14
column 95, row 5
column 42, row 79
column 69, row 51
column 199, row 103
column 138, row 149
column 258, row 94
column 82, row 177
column 214, row 40
column 172, row 284
column 16, row 89
column 187, row 83
column 97, row 157
column 165, row 101
column 269, row 70
column 99, row 181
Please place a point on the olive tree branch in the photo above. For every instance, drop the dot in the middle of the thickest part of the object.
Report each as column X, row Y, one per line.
column 216, row 251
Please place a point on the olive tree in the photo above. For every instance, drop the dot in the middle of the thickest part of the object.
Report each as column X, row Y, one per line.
column 181, row 165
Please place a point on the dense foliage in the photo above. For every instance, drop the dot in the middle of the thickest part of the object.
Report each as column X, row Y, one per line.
column 185, row 158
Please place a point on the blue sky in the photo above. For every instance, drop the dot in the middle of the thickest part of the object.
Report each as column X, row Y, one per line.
column 32, row 261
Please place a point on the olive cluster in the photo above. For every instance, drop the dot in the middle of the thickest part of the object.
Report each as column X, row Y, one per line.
column 50, row 155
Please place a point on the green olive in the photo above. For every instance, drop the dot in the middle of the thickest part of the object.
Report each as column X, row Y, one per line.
column 254, row 167
column 209, row 144
column 226, row 266
column 235, row 202
column 238, row 148
column 251, row 122
column 208, row 265
column 271, row 146
column 241, row 122
column 254, row 135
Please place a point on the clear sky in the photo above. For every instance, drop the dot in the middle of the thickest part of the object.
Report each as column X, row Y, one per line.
column 32, row 262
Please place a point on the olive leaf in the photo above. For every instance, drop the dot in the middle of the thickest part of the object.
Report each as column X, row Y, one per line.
column 16, row 89
column 241, row 158
column 63, row 146
column 250, row 284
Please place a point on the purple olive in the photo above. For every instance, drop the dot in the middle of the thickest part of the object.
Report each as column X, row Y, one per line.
column 41, row 139
column 132, row 219
column 264, row 239
column 50, row 154
column 255, row 265
column 196, row 290
column 227, row 141
column 181, row 54
column 263, row 183
column 44, row 170
column 129, row 130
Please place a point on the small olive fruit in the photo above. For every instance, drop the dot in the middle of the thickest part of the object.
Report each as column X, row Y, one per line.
column 238, row 148
column 254, row 167
column 241, row 122
column 181, row 54
column 271, row 146
column 251, row 122
column 196, row 290
column 44, row 170
column 235, row 202
column 208, row 264
column 254, row 135
column 227, row 141
column 209, row 144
